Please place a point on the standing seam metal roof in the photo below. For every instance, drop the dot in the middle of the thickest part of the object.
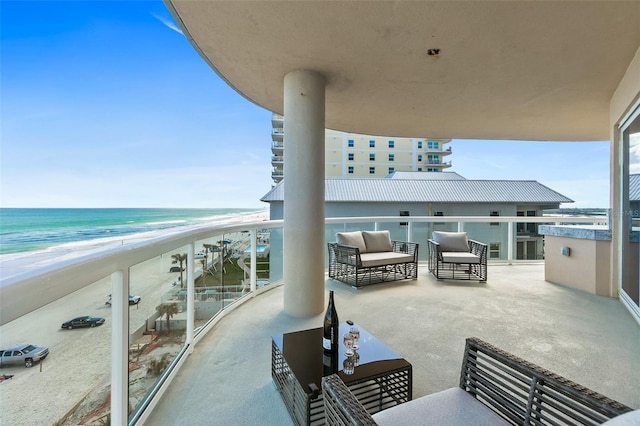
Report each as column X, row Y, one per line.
column 445, row 191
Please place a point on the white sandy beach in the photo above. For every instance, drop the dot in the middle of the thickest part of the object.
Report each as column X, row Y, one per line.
column 78, row 359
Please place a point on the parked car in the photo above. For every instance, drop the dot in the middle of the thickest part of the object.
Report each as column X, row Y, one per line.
column 174, row 269
column 133, row 300
column 27, row 354
column 83, row 321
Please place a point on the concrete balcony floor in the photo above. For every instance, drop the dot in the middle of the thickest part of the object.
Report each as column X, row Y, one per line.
column 592, row 340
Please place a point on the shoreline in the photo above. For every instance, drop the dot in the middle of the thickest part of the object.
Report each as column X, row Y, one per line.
column 12, row 264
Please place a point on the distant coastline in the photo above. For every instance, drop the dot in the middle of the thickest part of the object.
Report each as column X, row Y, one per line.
column 32, row 238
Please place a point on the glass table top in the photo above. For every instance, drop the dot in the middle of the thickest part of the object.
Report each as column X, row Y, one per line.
column 303, row 352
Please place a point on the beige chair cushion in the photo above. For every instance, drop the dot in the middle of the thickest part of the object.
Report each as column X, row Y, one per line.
column 352, row 239
column 371, row 260
column 459, row 257
column 377, row 241
column 451, row 241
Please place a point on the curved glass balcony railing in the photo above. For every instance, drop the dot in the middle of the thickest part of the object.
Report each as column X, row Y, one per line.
column 161, row 296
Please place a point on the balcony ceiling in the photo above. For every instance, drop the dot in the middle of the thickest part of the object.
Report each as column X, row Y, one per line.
column 505, row 70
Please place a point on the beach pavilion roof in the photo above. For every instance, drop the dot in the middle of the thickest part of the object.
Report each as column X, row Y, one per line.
column 527, row 70
column 424, row 191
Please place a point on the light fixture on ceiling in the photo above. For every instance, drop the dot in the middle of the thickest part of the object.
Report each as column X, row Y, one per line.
column 433, row 52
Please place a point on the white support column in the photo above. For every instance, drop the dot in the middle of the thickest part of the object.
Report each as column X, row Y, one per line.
column 119, row 347
column 510, row 242
column 304, row 240
column 190, row 294
column 460, row 226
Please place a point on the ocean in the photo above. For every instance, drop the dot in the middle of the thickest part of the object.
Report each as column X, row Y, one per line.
column 28, row 230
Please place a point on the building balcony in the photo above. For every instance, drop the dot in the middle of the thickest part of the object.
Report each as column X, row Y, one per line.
column 441, row 151
column 219, row 357
column 277, row 147
column 277, row 159
column 277, row 121
column 277, row 135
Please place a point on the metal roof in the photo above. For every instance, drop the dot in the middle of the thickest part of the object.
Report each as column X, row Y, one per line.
column 425, row 175
column 422, row 191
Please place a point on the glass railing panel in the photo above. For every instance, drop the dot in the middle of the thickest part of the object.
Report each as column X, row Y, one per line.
column 157, row 320
column 72, row 382
column 235, row 267
column 209, row 257
column 276, row 264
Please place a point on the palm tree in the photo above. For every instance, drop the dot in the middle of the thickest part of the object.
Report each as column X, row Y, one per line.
column 168, row 309
column 179, row 258
column 204, row 275
column 208, row 248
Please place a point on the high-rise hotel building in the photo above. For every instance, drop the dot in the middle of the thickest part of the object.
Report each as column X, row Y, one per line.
column 355, row 155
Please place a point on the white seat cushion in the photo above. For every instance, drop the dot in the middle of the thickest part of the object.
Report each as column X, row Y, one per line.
column 370, row 260
column 377, row 241
column 460, row 257
column 451, row 407
column 451, row 241
column 628, row 419
column 353, row 239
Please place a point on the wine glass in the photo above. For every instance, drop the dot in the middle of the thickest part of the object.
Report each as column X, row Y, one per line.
column 355, row 335
column 347, row 339
column 348, row 366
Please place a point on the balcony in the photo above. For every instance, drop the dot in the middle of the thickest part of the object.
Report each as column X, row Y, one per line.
column 277, row 159
column 277, row 135
column 277, row 147
column 219, row 358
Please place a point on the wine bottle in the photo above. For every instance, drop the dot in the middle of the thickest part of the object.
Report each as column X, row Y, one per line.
column 331, row 326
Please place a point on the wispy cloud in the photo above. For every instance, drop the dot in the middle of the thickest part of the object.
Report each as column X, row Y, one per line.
column 168, row 23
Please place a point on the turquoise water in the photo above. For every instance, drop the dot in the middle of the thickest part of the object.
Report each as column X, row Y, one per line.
column 24, row 230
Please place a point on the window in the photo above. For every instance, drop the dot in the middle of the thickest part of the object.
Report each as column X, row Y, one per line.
column 433, row 159
column 494, row 251
column 372, row 144
column 392, row 169
column 433, row 145
column 350, row 143
column 350, row 170
column 404, row 213
column 432, row 169
column 419, row 169
column 350, row 156
column 438, row 214
column 419, row 144
column 372, row 170
column 419, row 157
column 392, row 157
column 392, row 144
column 372, row 157
column 494, row 213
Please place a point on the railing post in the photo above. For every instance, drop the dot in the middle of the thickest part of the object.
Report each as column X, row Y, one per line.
column 254, row 263
column 510, row 243
column 119, row 347
column 191, row 295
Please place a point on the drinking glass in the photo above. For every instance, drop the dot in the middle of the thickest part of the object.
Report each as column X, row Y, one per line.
column 355, row 335
column 347, row 339
column 348, row 366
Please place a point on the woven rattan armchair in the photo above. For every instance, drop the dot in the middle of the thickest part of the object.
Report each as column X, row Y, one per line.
column 495, row 388
column 453, row 256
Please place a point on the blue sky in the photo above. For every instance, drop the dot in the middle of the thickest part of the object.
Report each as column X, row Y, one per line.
column 106, row 104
